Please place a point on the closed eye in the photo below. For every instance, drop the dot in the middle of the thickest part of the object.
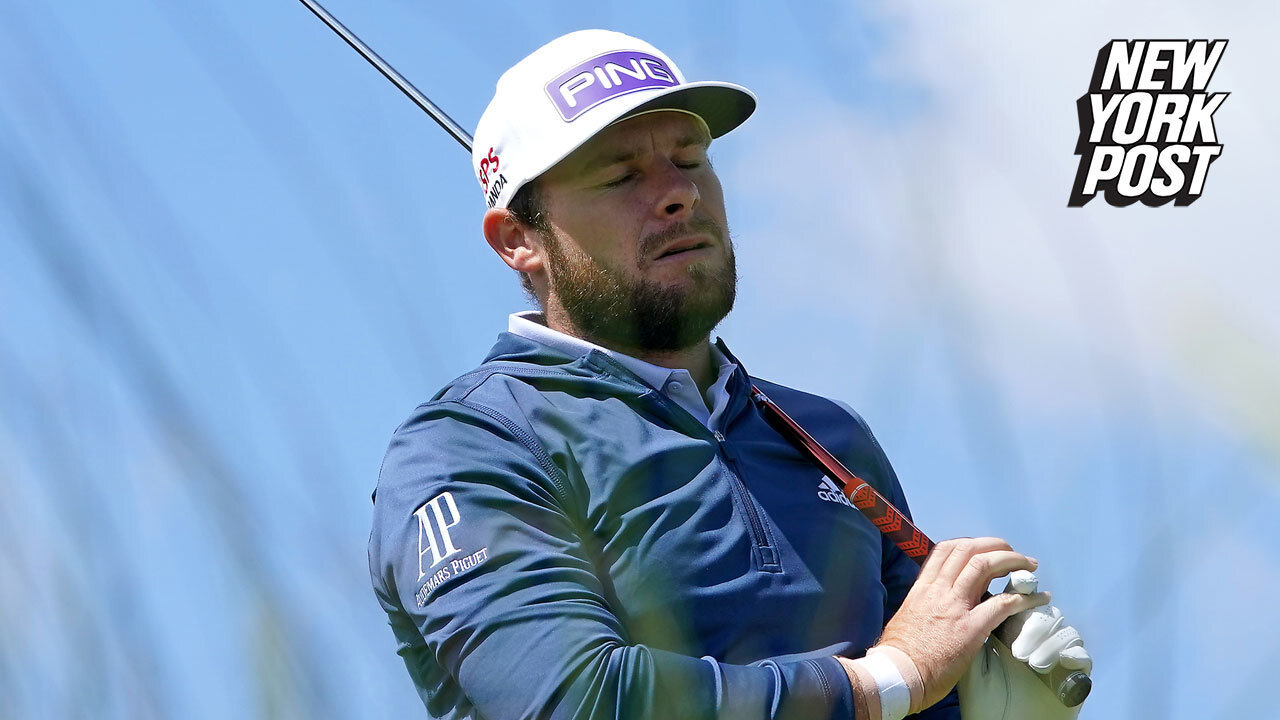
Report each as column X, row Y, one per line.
column 618, row 181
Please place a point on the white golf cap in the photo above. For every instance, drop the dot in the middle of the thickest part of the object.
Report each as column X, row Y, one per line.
column 550, row 103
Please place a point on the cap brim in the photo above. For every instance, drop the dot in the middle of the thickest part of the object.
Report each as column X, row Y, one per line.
column 723, row 106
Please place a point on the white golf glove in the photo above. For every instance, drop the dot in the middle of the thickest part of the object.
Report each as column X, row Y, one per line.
column 1001, row 684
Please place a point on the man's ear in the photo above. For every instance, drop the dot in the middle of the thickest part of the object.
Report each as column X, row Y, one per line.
column 516, row 243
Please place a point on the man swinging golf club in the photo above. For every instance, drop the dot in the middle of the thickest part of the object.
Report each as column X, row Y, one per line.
column 597, row 522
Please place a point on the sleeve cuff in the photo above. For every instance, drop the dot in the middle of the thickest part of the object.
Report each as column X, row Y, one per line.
column 834, row 677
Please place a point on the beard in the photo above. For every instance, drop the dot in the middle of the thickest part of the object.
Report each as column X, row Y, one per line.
column 613, row 309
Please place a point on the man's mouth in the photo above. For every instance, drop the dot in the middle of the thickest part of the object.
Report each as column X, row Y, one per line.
column 683, row 246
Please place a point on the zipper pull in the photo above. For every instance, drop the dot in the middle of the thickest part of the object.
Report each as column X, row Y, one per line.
column 719, row 435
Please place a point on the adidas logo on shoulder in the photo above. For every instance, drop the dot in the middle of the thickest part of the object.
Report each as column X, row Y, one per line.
column 829, row 491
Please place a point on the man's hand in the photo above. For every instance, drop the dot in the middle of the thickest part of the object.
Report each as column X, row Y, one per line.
column 941, row 624
column 1044, row 638
column 999, row 684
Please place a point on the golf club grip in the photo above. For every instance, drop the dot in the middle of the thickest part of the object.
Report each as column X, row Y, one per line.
column 1071, row 687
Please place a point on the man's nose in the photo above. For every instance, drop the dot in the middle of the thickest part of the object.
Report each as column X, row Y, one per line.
column 679, row 194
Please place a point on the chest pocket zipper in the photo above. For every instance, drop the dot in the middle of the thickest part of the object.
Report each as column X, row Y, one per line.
column 766, row 553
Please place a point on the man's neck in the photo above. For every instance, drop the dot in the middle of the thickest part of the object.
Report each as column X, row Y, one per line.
column 696, row 358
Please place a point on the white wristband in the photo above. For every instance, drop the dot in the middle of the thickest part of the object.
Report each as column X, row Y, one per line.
column 895, row 696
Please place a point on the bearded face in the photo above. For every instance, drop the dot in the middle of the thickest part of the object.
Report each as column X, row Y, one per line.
column 634, row 244
column 617, row 307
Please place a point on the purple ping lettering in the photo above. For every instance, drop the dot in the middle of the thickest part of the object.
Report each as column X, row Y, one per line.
column 588, row 84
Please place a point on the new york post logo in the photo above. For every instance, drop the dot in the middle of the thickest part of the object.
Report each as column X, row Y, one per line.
column 1146, row 124
column 607, row 76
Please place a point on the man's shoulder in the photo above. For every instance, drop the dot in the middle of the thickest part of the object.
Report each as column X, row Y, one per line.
column 487, row 400
column 509, row 401
column 513, row 361
column 477, row 428
column 488, row 376
column 801, row 403
column 835, row 424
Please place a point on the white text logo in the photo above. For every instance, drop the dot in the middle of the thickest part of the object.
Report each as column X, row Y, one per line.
column 829, row 491
column 435, row 518
column 1146, row 124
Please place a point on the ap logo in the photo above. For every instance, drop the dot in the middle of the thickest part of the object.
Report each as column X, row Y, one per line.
column 435, row 517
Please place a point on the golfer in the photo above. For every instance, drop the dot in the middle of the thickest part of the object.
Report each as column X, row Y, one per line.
column 596, row 522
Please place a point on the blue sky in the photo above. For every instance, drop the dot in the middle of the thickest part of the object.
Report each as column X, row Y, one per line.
column 233, row 258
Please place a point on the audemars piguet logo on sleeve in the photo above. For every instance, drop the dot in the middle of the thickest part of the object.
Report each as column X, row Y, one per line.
column 435, row 544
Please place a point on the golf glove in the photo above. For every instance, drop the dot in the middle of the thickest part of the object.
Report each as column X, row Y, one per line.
column 1001, row 684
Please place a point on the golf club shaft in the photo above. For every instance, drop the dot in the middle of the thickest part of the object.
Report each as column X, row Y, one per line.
column 406, row 87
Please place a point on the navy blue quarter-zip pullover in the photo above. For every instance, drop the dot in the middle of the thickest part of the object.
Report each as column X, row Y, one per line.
column 554, row 538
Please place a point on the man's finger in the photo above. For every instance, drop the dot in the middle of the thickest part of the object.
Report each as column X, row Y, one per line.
column 1024, row 582
column 997, row 608
column 1039, row 625
column 982, row 568
column 965, row 549
column 1047, row 654
column 1076, row 658
column 937, row 558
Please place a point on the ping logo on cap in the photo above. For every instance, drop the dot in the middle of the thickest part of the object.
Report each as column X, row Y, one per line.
column 590, row 83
